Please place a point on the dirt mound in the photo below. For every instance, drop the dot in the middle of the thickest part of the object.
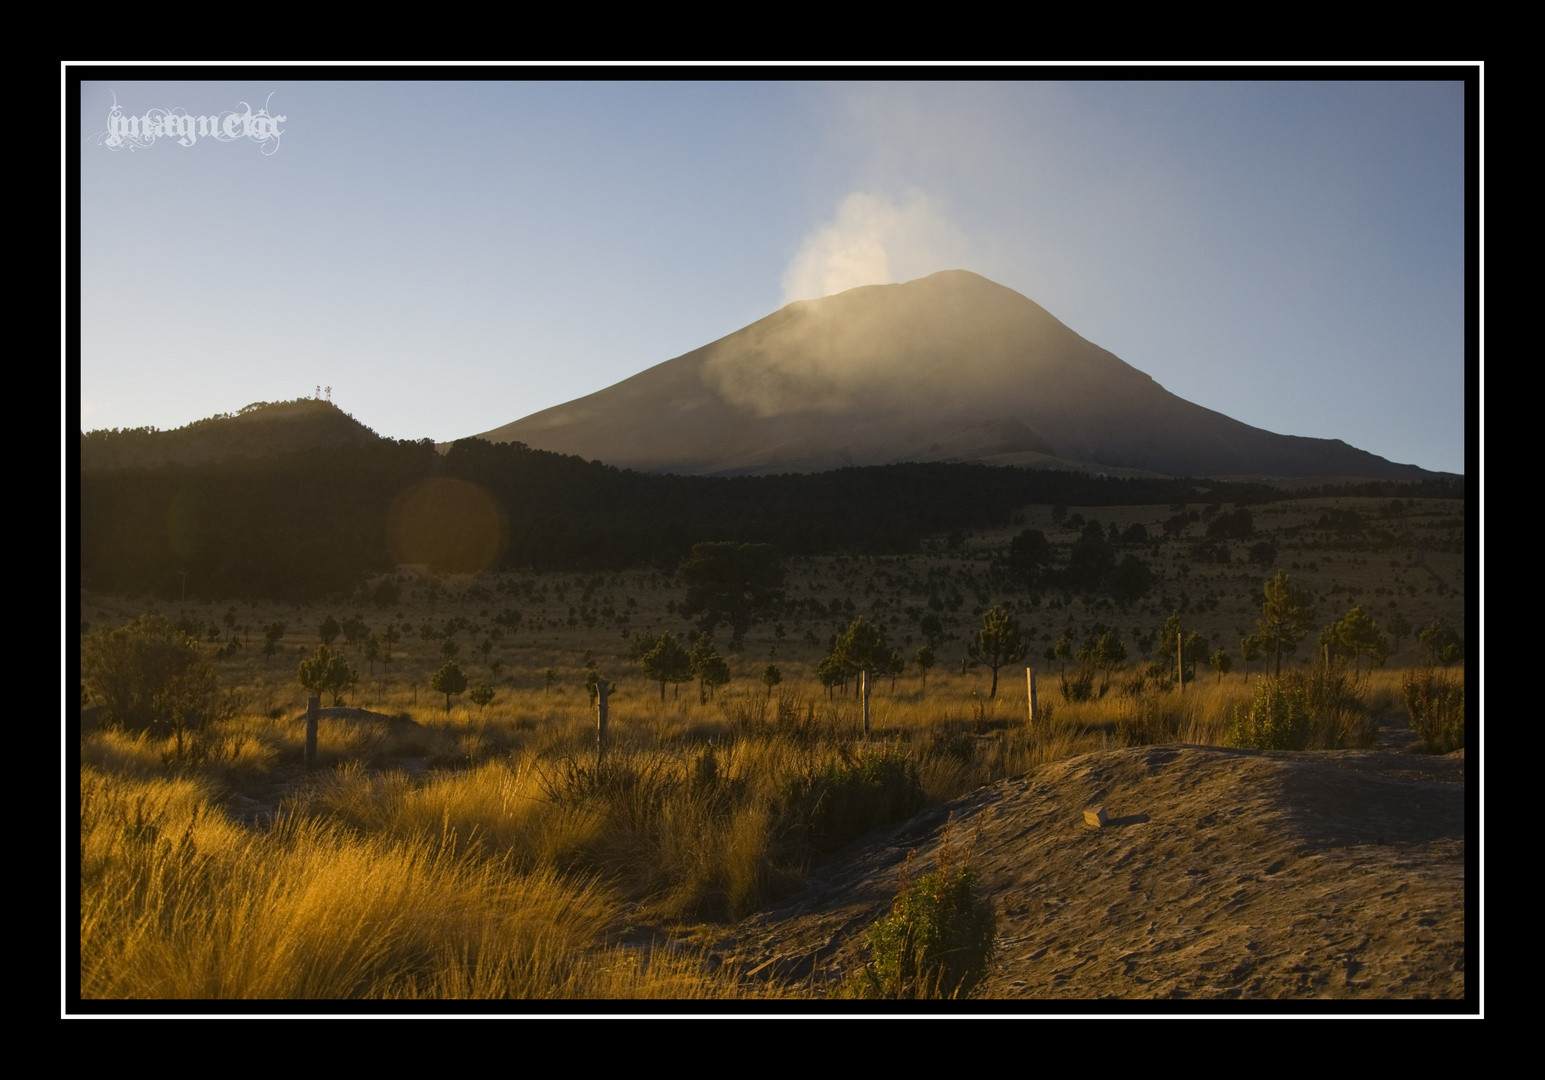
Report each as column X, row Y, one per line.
column 1221, row 874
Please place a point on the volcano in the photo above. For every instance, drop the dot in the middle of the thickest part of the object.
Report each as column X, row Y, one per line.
column 950, row 367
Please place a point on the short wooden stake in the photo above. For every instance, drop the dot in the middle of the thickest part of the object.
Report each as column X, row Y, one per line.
column 313, row 710
column 1030, row 692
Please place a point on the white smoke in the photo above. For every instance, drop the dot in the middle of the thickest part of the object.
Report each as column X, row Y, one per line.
column 873, row 241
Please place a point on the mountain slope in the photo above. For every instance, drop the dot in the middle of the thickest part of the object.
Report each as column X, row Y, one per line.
column 949, row 366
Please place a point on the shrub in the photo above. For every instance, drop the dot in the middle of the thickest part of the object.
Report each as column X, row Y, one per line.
column 937, row 942
column 150, row 675
column 1278, row 718
column 1436, row 705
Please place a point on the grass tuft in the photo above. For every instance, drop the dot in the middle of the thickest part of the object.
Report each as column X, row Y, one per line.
column 1435, row 702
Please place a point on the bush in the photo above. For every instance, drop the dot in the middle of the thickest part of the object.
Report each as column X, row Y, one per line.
column 1278, row 718
column 1436, row 705
column 150, row 675
column 937, row 942
column 1321, row 709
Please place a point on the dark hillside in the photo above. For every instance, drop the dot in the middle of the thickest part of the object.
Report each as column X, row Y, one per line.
column 318, row 522
column 260, row 430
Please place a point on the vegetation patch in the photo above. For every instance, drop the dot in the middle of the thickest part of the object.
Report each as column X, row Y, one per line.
column 1435, row 702
column 842, row 799
column 939, row 939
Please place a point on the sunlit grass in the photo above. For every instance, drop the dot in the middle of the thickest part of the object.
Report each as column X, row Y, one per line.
column 180, row 903
column 488, row 853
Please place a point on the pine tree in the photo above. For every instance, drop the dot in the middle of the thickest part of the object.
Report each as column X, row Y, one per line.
column 731, row 583
column 666, row 662
column 999, row 642
column 448, row 680
column 709, row 667
column 327, row 672
column 1359, row 635
column 1287, row 616
column 924, row 660
column 861, row 648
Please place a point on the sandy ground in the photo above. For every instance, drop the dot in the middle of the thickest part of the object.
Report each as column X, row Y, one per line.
column 1221, row 874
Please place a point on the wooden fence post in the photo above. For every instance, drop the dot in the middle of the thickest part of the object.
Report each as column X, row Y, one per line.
column 1030, row 693
column 1180, row 660
column 863, row 683
column 601, row 690
column 313, row 708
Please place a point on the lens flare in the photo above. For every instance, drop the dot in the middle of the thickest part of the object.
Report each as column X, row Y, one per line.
column 451, row 525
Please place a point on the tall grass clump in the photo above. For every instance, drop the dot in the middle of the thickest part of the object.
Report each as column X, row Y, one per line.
column 1338, row 708
column 843, row 798
column 939, row 939
column 1149, row 718
column 1435, row 702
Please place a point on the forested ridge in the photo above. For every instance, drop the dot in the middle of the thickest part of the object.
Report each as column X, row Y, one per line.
column 261, row 429
column 314, row 522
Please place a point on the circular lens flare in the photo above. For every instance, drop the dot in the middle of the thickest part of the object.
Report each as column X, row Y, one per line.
column 451, row 525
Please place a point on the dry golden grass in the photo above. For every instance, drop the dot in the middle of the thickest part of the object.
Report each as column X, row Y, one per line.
column 503, row 869
column 178, row 902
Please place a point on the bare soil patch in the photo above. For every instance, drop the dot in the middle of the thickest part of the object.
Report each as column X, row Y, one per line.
column 1222, row 874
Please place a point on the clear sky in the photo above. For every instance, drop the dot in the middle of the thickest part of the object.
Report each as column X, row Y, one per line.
column 451, row 256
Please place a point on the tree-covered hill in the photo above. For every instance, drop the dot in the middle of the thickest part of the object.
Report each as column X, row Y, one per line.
column 315, row 522
column 262, row 429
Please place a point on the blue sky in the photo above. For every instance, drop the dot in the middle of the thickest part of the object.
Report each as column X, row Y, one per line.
column 451, row 256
